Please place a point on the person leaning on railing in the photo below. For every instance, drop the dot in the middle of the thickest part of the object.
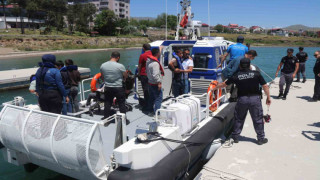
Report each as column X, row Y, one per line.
column 249, row 99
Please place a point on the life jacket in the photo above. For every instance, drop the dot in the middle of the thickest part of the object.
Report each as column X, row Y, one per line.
column 177, row 76
column 44, row 67
column 155, row 59
column 178, row 60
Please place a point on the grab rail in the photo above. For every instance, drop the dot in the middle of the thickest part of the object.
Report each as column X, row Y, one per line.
column 83, row 91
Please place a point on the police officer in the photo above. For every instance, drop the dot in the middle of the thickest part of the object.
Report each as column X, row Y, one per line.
column 235, row 50
column 249, row 99
column 290, row 68
column 49, row 85
column 316, row 71
column 303, row 57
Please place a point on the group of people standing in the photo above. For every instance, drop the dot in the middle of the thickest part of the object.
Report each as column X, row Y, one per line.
column 248, row 80
column 56, row 85
column 150, row 73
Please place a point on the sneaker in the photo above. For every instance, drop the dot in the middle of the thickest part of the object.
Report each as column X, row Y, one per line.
column 304, row 81
column 235, row 140
column 313, row 100
column 280, row 95
column 297, row 80
column 284, row 97
column 262, row 141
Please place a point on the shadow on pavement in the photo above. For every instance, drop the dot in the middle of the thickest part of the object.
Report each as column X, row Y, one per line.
column 247, row 139
column 312, row 135
column 307, row 98
column 316, row 124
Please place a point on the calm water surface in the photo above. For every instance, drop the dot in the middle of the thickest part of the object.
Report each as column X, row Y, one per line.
column 268, row 59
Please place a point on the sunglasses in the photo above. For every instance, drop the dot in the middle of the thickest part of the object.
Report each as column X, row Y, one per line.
column 315, row 55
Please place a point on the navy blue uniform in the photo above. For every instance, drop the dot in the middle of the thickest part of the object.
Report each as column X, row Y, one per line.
column 302, row 56
column 249, row 99
column 316, row 71
column 289, row 66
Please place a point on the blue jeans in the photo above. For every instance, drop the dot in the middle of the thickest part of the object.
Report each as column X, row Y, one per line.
column 186, row 86
column 155, row 97
column 65, row 106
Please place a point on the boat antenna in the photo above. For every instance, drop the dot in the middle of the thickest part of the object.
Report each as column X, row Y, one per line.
column 208, row 18
column 166, row 19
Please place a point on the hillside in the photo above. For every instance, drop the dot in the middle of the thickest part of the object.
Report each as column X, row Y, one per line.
column 297, row 27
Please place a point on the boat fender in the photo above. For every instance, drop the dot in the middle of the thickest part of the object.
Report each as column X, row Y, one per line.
column 94, row 82
column 211, row 149
column 214, row 96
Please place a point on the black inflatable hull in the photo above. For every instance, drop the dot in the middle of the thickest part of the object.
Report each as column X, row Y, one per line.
column 176, row 164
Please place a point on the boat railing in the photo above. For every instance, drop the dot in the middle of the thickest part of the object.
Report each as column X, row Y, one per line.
column 82, row 90
column 206, row 69
column 73, row 143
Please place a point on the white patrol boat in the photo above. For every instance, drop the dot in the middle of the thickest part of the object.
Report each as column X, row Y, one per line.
column 170, row 146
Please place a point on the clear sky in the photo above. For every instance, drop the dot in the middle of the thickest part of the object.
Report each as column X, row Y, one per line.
column 265, row 13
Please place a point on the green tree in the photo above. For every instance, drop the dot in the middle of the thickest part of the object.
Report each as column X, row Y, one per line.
column 129, row 29
column 122, row 23
column 55, row 10
column 32, row 8
column 71, row 16
column 143, row 28
column 134, row 22
column 171, row 20
column 15, row 12
column 219, row 28
column 106, row 23
column 85, row 17
column 21, row 5
column 3, row 4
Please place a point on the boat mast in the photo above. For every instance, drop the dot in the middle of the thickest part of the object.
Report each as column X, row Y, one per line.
column 186, row 9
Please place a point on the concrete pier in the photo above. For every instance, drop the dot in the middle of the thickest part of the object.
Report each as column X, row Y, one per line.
column 293, row 148
column 19, row 78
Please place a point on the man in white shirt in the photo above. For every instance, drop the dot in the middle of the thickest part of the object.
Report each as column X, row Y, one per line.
column 188, row 67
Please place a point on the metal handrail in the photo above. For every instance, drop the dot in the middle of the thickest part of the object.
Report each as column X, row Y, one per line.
column 83, row 91
column 206, row 69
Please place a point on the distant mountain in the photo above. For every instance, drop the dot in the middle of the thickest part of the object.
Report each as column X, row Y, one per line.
column 297, row 27
column 143, row 18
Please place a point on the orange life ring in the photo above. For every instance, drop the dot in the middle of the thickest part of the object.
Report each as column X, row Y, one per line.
column 214, row 96
column 94, row 82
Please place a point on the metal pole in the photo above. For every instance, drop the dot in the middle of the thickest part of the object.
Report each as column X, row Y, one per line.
column 166, row 19
column 208, row 18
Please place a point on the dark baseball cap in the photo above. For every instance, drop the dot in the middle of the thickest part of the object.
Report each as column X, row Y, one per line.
column 240, row 39
column 290, row 50
column 245, row 63
column 301, row 48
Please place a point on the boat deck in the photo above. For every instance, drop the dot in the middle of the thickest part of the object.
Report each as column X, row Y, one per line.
column 293, row 148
